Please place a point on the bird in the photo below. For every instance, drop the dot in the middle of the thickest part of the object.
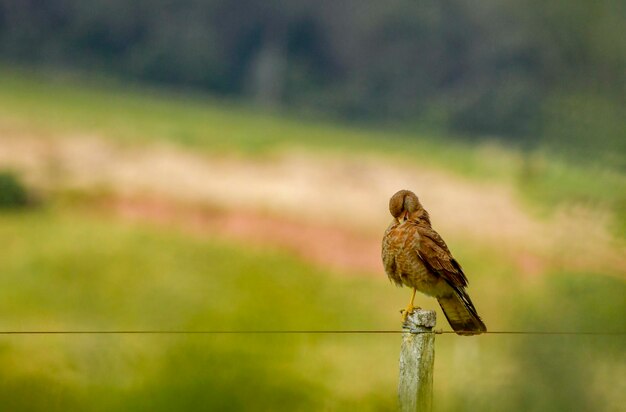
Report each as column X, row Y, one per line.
column 415, row 255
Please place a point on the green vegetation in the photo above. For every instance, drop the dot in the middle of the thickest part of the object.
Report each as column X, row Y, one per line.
column 64, row 270
column 50, row 107
column 12, row 191
column 527, row 96
column 517, row 71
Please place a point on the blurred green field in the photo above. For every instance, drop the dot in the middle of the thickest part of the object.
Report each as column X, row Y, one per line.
column 53, row 105
column 64, row 268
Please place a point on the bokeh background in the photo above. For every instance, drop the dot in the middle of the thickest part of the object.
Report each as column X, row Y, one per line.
column 198, row 165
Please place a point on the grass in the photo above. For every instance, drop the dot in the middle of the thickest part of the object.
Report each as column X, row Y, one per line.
column 66, row 270
column 62, row 271
column 63, row 105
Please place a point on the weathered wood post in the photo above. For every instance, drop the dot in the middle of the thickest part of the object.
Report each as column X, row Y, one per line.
column 417, row 358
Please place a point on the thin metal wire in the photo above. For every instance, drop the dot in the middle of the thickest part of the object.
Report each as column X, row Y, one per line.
column 529, row 332
column 192, row 332
column 287, row 332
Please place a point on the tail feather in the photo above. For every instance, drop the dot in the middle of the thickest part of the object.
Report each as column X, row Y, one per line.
column 461, row 313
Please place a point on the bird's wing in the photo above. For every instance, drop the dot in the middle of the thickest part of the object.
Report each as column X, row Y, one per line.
column 389, row 259
column 457, row 306
column 435, row 255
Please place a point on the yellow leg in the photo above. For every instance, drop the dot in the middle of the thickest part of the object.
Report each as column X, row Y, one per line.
column 410, row 307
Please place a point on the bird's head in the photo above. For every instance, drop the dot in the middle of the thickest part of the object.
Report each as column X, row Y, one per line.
column 404, row 205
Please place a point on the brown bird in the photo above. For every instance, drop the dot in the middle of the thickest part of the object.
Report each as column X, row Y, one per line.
column 415, row 255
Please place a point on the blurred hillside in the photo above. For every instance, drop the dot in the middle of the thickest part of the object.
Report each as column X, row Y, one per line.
column 530, row 73
column 162, row 212
column 157, row 210
column 226, row 165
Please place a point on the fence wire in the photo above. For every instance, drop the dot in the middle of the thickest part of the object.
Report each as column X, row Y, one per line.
column 294, row 332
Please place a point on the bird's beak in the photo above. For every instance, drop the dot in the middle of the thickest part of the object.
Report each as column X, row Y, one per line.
column 402, row 217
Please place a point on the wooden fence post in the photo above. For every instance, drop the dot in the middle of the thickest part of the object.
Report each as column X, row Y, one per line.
column 417, row 358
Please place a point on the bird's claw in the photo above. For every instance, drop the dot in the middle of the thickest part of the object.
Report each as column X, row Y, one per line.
column 407, row 312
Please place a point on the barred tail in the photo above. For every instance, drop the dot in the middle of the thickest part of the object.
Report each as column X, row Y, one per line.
column 461, row 313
